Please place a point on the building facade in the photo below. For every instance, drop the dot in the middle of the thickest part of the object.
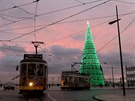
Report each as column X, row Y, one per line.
column 130, row 75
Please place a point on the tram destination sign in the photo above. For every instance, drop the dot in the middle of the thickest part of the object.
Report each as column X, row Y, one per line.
column 28, row 56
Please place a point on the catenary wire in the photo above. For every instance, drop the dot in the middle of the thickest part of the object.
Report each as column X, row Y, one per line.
column 18, row 6
column 102, row 17
column 45, row 13
column 60, row 20
column 117, row 35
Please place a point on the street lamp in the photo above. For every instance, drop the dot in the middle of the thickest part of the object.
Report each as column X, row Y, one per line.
column 113, row 77
column 122, row 72
column 112, row 74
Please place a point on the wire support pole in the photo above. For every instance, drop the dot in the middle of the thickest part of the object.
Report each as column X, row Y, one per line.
column 121, row 61
column 122, row 71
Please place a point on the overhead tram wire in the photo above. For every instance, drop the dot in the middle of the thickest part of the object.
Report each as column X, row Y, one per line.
column 107, row 44
column 70, row 34
column 60, row 20
column 128, row 27
column 14, row 22
column 42, row 14
column 34, row 24
column 82, row 31
column 103, row 17
column 79, row 1
column 24, row 10
column 18, row 6
column 124, row 2
column 131, row 12
column 54, row 12
column 75, row 33
column 6, row 19
column 117, row 35
column 57, row 23
column 22, row 18
column 124, row 14
column 65, row 37
column 7, row 47
column 46, row 13
column 10, row 16
column 68, row 8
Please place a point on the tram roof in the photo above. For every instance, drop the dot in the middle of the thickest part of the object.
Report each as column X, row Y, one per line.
column 33, row 58
column 38, row 56
column 73, row 73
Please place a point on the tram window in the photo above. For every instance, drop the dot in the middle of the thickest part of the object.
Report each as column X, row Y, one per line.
column 23, row 69
column 70, row 78
column 23, row 74
column 31, row 69
column 45, row 71
column 66, row 79
column 40, row 70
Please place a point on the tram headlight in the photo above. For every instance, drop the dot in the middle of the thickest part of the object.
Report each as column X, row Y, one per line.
column 30, row 84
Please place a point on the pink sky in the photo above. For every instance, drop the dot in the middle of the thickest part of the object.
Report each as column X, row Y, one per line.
column 67, row 35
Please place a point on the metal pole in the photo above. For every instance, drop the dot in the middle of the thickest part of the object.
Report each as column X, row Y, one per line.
column 112, row 76
column 122, row 72
column 36, row 44
column 36, row 49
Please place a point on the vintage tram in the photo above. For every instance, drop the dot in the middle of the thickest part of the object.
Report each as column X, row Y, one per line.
column 33, row 74
column 73, row 80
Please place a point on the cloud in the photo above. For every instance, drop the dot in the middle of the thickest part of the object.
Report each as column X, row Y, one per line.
column 12, row 49
column 64, row 43
column 62, row 58
column 112, row 59
column 79, row 37
column 60, row 51
column 9, row 60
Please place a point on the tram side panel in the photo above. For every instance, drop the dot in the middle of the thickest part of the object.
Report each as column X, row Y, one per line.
column 74, row 81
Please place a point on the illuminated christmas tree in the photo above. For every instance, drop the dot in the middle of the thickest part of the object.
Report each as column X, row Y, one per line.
column 90, row 63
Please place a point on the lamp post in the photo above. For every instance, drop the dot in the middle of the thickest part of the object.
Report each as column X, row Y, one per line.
column 122, row 72
column 112, row 76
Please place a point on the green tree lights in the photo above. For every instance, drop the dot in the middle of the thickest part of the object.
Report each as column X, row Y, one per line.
column 90, row 63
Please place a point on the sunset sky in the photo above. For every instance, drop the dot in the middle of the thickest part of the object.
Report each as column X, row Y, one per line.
column 61, row 25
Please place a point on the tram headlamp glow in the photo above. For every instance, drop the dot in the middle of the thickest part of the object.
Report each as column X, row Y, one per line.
column 30, row 84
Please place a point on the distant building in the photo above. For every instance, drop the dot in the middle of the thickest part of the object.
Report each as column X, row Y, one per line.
column 130, row 75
